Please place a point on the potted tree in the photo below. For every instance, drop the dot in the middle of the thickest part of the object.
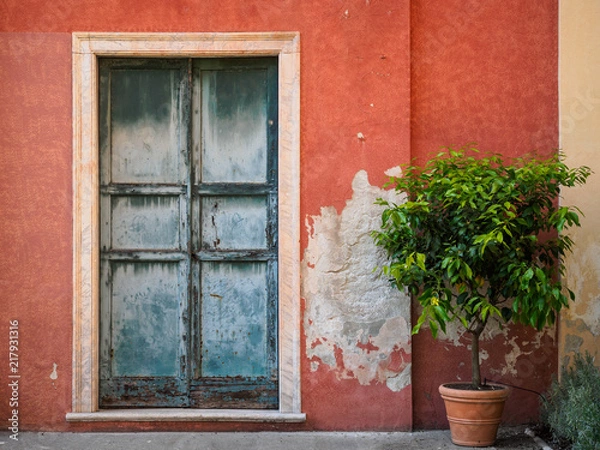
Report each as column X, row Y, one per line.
column 477, row 238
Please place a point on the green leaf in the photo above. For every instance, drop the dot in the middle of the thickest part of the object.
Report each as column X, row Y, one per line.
column 441, row 314
column 486, row 226
column 506, row 314
column 434, row 328
column 421, row 261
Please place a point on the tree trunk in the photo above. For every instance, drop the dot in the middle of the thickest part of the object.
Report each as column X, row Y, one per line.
column 475, row 367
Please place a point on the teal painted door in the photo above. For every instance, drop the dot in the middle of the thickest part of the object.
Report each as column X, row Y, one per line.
column 188, row 210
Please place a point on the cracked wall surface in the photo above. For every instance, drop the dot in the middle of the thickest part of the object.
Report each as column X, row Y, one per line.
column 580, row 325
column 355, row 323
column 579, row 75
column 519, row 350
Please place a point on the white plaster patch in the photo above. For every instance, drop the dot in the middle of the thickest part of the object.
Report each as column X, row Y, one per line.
column 520, row 361
column 510, row 358
column 455, row 332
column 355, row 322
column 54, row 374
column 394, row 172
column 583, row 275
column 400, row 381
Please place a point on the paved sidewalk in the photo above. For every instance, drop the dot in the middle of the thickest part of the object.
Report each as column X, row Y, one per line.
column 508, row 438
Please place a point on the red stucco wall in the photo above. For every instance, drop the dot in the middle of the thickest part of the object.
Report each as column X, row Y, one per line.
column 409, row 76
column 485, row 72
column 355, row 78
column 35, row 222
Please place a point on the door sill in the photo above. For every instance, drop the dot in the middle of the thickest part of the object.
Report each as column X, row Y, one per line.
column 186, row 415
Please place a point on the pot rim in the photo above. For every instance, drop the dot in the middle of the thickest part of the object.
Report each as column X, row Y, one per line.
column 456, row 386
column 450, row 390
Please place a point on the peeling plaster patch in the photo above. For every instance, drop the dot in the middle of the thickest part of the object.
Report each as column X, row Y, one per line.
column 513, row 365
column 394, row 172
column 455, row 332
column 356, row 324
column 483, row 354
column 510, row 358
column 576, row 325
column 400, row 381
column 513, row 360
column 572, row 343
column 54, row 374
column 583, row 277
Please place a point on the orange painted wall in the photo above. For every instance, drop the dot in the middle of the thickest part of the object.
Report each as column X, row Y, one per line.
column 411, row 76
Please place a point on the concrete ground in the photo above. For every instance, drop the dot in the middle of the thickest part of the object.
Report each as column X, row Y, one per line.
column 508, row 438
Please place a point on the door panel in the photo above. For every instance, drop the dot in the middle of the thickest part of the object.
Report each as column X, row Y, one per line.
column 146, row 308
column 234, row 325
column 143, row 334
column 234, row 132
column 145, row 222
column 145, row 126
column 234, row 223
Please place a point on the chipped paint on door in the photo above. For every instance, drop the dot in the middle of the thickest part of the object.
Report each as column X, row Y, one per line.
column 188, row 233
column 149, row 349
column 234, row 222
column 145, row 120
column 235, row 325
column 356, row 324
column 144, row 222
column 234, row 138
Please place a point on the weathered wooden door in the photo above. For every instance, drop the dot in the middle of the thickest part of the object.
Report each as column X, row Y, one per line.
column 188, row 186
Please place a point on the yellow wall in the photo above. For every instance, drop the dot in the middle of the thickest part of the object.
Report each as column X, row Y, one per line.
column 579, row 87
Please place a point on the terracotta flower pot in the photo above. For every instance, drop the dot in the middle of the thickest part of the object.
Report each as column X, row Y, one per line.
column 474, row 415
